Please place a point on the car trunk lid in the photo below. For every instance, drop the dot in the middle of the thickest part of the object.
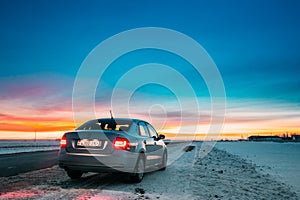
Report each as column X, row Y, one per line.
column 91, row 142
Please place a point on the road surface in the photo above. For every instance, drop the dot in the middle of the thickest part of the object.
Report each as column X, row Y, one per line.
column 13, row 164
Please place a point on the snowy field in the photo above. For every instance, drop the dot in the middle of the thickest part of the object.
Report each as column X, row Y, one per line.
column 18, row 146
column 219, row 175
column 281, row 160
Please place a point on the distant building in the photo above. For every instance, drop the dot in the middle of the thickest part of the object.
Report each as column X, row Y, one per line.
column 296, row 138
column 265, row 138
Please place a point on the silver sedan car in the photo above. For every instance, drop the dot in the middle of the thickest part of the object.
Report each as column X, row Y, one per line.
column 113, row 145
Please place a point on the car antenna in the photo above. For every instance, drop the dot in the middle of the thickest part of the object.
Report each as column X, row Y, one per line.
column 114, row 123
column 111, row 116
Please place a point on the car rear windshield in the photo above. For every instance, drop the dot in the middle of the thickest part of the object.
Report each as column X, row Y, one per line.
column 106, row 124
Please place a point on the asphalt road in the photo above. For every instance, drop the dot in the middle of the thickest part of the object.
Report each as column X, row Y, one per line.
column 13, row 164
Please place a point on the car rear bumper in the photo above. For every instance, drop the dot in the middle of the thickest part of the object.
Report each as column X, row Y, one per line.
column 118, row 161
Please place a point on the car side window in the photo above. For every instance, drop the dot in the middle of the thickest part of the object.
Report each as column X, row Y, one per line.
column 151, row 131
column 143, row 130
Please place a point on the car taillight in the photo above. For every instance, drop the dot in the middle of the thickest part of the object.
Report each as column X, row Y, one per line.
column 121, row 143
column 63, row 142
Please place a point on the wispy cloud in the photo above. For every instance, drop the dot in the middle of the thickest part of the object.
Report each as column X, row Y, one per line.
column 36, row 102
column 44, row 103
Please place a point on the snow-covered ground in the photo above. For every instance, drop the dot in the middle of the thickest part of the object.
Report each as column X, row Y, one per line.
column 18, row 146
column 281, row 160
column 219, row 175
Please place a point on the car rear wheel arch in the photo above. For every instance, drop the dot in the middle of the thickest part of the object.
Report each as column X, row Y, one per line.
column 139, row 171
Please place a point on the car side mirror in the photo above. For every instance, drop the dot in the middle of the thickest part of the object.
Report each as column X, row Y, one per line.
column 161, row 137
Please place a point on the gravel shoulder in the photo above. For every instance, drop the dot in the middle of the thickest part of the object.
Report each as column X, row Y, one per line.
column 219, row 175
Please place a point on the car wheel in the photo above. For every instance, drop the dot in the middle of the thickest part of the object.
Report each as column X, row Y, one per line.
column 74, row 174
column 138, row 175
column 164, row 162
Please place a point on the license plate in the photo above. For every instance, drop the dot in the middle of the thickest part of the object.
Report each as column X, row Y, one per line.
column 89, row 143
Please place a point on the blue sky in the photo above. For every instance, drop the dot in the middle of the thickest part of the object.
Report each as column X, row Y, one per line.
column 255, row 45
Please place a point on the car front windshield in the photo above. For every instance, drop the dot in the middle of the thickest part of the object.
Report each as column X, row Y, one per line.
column 106, row 124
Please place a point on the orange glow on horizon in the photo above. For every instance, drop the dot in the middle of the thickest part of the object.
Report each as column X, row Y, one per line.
column 236, row 126
column 37, row 126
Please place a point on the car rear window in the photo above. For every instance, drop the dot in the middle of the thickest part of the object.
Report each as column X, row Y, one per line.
column 107, row 124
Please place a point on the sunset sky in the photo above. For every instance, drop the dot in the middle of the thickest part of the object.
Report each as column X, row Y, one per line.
column 254, row 44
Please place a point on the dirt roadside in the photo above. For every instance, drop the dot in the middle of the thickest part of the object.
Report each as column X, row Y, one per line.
column 217, row 176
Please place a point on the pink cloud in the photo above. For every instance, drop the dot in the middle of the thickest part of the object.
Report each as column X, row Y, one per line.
column 35, row 100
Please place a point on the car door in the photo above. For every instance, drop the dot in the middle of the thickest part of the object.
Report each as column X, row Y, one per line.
column 157, row 149
column 149, row 144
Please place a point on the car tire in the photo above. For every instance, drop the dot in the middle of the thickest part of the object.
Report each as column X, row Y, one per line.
column 139, row 170
column 74, row 174
column 164, row 162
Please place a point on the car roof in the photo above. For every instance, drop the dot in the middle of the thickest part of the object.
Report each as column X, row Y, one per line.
column 123, row 119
